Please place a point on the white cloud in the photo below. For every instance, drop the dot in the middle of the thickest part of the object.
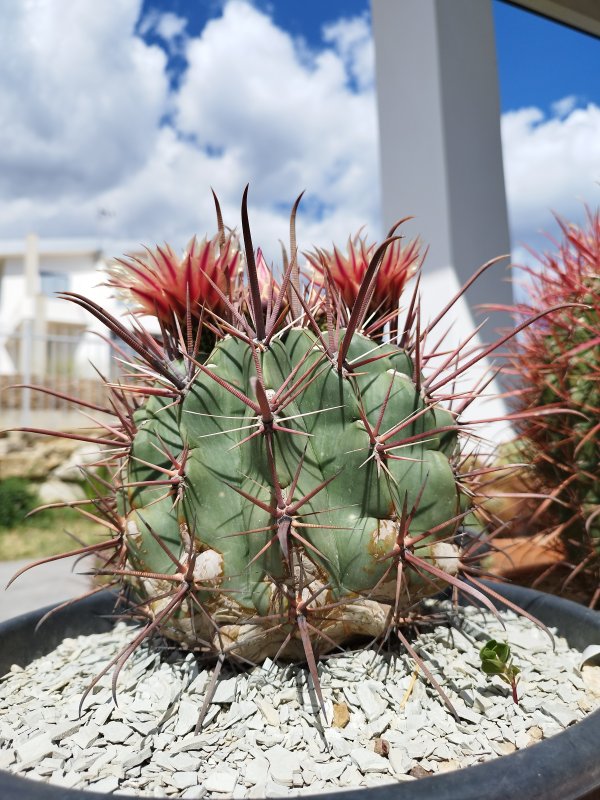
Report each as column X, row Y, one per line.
column 168, row 26
column 352, row 39
column 551, row 164
column 84, row 102
column 80, row 101
column 290, row 124
column 564, row 106
column 87, row 107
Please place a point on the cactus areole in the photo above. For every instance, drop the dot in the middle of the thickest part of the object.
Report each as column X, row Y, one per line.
column 285, row 477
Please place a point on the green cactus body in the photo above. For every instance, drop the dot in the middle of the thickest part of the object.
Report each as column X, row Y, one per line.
column 284, row 476
column 556, row 364
column 569, row 445
column 344, row 529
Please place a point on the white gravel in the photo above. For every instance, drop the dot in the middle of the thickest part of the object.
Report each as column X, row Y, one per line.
column 262, row 738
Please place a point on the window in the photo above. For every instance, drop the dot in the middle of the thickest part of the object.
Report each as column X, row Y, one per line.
column 52, row 282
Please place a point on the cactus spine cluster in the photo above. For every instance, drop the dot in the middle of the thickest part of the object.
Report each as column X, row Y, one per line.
column 556, row 368
column 296, row 485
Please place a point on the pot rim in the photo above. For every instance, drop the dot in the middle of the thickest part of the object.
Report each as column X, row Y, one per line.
column 538, row 772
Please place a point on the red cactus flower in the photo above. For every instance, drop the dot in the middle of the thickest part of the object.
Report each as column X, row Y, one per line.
column 269, row 288
column 160, row 282
column 399, row 264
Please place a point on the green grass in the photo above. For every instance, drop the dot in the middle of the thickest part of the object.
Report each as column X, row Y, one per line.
column 44, row 535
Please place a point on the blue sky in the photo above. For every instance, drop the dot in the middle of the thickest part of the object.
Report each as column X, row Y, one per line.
column 118, row 117
column 303, row 18
column 540, row 61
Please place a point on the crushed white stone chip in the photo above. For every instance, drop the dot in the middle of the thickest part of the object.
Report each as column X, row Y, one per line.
column 222, row 780
column 116, row 732
column 225, row 691
column 368, row 761
column 257, row 770
column 283, row 764
column 260, row 736
column 35, row 749
column 183, row 780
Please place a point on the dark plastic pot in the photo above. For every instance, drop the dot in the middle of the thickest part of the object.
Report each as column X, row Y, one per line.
column 565, row 767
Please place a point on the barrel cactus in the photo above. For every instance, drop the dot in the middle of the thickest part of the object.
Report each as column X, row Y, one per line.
column 285, row 476
column 556, row 367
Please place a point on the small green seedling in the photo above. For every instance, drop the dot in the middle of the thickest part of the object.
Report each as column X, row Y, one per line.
column 496, row 660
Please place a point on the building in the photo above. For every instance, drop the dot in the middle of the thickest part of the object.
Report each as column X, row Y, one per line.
column 45, row 339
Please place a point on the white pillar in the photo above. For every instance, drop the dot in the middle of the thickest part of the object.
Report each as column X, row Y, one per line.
column 35, row 309
column 441, row 154
column 32, row 265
